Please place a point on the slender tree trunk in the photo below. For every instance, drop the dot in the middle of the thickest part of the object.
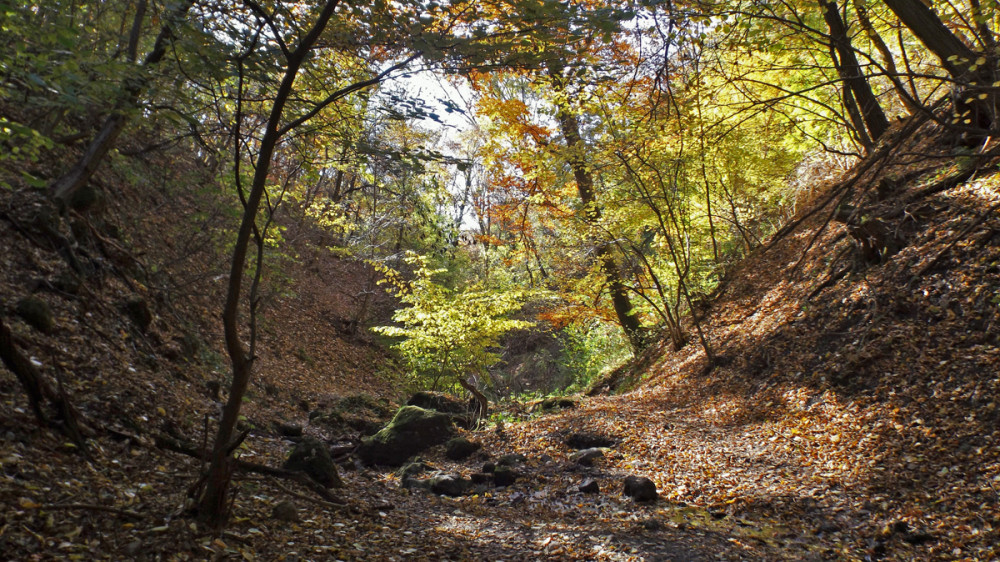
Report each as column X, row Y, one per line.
column 850, row 71
column 64, row 187
column 629, row 321
column 888, row 60
column 213, row 504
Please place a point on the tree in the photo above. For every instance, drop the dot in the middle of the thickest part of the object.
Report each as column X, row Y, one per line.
column 576, row 151
column 213, row 503
column 860, row 91
column 77, row 176
column 450, row 334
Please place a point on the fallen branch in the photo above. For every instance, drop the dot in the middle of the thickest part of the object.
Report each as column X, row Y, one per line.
column 324, row 503
column 175, row 445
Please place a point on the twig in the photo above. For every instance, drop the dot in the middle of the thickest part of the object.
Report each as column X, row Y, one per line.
column 92, row 507
column 303, row 497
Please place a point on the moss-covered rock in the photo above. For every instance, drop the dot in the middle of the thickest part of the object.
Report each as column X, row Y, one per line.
column 459, row 448
column 36, row 313
column 411, row 431
column 312, row 457
column 439, row 401
column 357, row 413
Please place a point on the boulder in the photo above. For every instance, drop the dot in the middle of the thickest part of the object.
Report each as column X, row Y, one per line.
column 287, row 429
column 412, row 469
column 138, row 312
column 439, row 401
column 460, row 448
column 589, row 487
column 448, row 485
column 512, row 459
column 504, row 476
column 640, row 488
column 588, row 440
column 36, row 313
column 312, row 457
column 411, row 431
column 586, row 457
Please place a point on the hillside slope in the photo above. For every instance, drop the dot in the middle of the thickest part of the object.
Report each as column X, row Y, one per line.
column 853, row 406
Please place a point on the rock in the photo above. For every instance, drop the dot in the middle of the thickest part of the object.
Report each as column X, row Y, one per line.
column 489, row 467
column 652, row 524
column 512, row 459
column 285, row 511
column 36, row 313
column 588, row 440
column 286, row 429
column 918, row 538
column 640, row 488
column 554, row 403
column 414, row 468
column 87, row 197
column 439, row 401
column 587, row 457
column 504, row 476
column 138, row 312
column 416, row 483
column 481, row 477
column 448, row 485
column 412, row 430
column 589, row 487
column 459, row 448
column 312, row 457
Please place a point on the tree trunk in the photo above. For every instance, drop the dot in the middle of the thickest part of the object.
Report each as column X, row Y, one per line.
column 213, row 504
column 570, row 128
column 484, row 403
column 850, row 72
column 933, row 33
column 64, row 187
column 972, row 80
column 887, row 57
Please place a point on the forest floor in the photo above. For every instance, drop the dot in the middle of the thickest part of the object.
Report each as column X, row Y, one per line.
column 851, row 412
